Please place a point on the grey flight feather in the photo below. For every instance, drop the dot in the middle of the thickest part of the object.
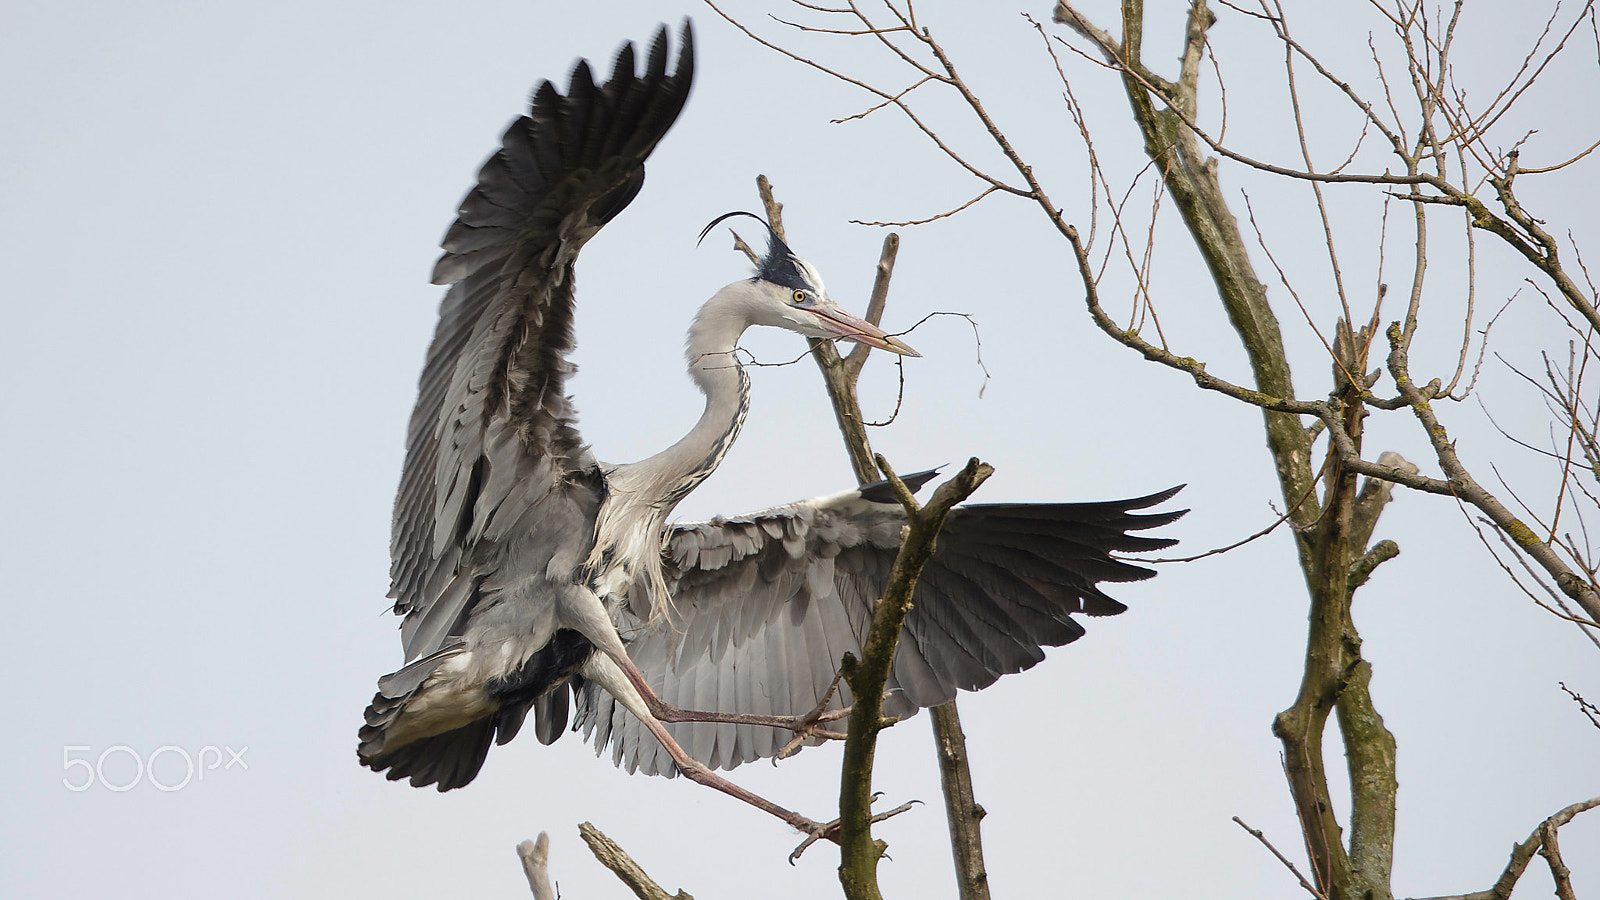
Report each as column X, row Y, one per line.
column 768, row 603
column 497, row 481
column 493, row 432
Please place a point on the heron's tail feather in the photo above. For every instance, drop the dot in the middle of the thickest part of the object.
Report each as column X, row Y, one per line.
column 550, row 715
column 426, row 725
column 434, row 720
column 450, row 760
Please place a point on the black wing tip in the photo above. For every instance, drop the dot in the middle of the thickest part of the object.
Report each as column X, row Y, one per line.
column 685, row 67
column 882, row 492
column 1098, row 605
column 623, row 62
column 550, row 112
column 660, row 43
column 1150, row 500
column 1146, row 521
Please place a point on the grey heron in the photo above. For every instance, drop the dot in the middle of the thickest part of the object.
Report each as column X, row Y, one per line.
column 529, row 573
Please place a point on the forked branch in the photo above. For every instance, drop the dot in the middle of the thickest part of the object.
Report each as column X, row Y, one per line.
column 1543, row 836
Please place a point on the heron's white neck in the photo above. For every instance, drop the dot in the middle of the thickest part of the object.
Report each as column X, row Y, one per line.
column 709, row 352
column 629, row 532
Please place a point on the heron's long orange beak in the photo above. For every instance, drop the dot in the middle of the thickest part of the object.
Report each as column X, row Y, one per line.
column 861, row 331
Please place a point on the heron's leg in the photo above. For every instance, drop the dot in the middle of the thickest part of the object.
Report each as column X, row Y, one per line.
column 583, row 610
column 602, row 670
column 803, row 726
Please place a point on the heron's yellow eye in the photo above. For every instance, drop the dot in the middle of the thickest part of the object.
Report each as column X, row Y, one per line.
column 799, row 296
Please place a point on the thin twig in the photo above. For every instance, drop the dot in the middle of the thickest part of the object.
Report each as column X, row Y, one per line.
column 986, row 192
column 1256, row 833
column 1589, row 710
column 1260, row 534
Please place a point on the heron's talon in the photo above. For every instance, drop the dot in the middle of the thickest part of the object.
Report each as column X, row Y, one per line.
column 789, row 748
column 896, row 811
column 803, row 733
column 815, row 832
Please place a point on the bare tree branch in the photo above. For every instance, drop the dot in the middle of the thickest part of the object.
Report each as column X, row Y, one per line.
column 841, row 376
column 859, row 852
column 1522, row 854
column 622, row 865
column 535, row 856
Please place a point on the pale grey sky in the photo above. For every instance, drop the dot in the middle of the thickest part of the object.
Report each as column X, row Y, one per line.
column 217, row 222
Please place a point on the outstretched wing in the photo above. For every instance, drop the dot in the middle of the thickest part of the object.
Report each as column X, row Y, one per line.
column 769, row 603
column 493, row 432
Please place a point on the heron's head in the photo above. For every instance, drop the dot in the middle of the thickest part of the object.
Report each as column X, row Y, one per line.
column 787, row 292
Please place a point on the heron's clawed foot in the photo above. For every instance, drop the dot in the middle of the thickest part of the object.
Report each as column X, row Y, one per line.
column 814, row 832
column 830, row 832
column 805, row 727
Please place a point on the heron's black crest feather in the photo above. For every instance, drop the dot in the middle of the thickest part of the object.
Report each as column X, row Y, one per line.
column 780, row 266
